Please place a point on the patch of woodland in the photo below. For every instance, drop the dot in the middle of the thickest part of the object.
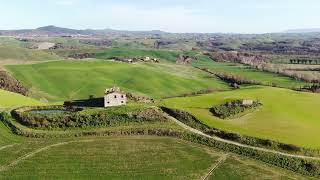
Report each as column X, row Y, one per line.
column 233, row 108
column 9, row 83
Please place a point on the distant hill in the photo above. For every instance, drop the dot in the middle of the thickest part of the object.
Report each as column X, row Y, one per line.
column 60, row 31
column 314, row 30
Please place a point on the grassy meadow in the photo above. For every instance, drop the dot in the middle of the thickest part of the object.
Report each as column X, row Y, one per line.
column 286, row 116
column 265, row 78
column 133, row 157
column 13, row 51
column 10, row 100
column 63, row 80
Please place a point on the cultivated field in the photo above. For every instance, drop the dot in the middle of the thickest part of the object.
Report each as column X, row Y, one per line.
column 63, row 80
column 122, row 157
column 286, row 116
column 248, row 73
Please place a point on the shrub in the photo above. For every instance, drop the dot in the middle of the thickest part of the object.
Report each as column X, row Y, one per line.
column 289, row 147
column 232, row 108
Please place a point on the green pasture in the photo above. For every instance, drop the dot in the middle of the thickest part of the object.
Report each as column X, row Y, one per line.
column 66, row 80
column 11, row 100
column 286, row 116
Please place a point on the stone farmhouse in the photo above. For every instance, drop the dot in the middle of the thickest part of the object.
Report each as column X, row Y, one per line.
column 114, row 97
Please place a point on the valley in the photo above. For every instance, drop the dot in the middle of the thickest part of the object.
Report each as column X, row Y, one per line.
column 55, row 122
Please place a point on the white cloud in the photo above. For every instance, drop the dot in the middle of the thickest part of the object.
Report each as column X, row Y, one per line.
column 65, row 3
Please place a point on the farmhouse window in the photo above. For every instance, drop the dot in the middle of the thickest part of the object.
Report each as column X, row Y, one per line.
column 108, row 102
column 115, row 96
column 121, row 96
column 122, row 102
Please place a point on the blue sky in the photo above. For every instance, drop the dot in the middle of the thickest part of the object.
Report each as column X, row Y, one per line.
column 242, row 16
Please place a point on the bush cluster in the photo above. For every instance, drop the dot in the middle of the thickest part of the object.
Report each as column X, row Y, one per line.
column 232, row 108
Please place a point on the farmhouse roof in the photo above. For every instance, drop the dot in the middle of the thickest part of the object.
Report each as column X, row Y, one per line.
column 114, row 90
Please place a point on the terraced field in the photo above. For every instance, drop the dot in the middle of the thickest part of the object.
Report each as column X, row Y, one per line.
column 63, row 80
column 246, row 72
column 287, row 116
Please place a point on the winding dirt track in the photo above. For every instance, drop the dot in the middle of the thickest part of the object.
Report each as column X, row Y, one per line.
column 7, row 146
column 238, row 144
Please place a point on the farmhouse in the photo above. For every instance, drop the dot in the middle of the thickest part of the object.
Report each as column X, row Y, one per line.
column 114, row 97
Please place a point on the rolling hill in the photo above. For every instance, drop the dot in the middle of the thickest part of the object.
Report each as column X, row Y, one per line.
column 66, row 80
column 10, row 100
column 286, row 116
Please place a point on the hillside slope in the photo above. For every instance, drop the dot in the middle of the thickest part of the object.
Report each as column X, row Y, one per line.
column 65, row 80
column 286, row 116
column 10, row 100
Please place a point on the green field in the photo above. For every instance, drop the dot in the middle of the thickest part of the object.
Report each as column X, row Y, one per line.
column 10, row 100
column 6, row 136
column 286, row 116
column 135, row 157
column 14, row 51
column 246, row 72
column 63, row 80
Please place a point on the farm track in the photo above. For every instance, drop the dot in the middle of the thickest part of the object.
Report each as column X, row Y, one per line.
column 18, row 160
column 238, row 144
column 7, row 146
column 215, row 166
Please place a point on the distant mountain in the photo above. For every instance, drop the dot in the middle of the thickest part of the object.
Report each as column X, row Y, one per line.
column 314, row 30
column 59, row 31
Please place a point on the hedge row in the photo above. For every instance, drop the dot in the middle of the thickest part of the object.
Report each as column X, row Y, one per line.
column 82, row 119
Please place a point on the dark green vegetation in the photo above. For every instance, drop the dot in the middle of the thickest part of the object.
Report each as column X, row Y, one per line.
column 83, row 78
column 232, row 108
column 88, row 117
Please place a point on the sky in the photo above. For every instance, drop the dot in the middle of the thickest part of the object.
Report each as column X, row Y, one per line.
column 201, row 16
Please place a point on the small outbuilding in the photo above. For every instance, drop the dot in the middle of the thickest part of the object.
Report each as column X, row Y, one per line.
column 114, row 97
column 247, row 102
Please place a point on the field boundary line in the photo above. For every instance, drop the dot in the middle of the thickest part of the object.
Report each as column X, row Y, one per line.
column 30, row 154
column 236, row 143
column 221, row 160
